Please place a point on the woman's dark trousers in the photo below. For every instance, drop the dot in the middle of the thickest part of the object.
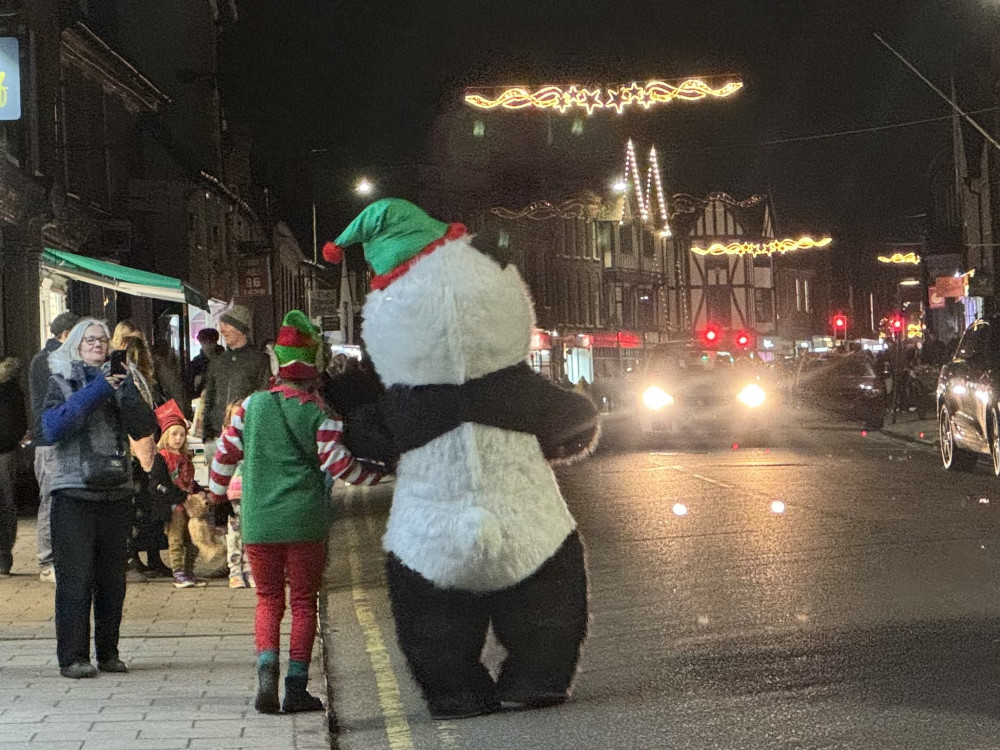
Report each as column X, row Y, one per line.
column 89, row 546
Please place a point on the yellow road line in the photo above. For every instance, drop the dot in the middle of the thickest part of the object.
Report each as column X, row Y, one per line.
column 397, row 728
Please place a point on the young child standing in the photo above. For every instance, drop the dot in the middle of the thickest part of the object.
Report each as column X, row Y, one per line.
column 240, row 575
column 286, row 442
column 177, row 456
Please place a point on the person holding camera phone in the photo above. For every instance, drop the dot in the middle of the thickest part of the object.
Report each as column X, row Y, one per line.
column 89, row 414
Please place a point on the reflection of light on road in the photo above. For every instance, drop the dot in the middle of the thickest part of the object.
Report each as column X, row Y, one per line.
column 702, row 619
column 680, row 509
column 802, row 617
column 777, row 507
column 984, row 501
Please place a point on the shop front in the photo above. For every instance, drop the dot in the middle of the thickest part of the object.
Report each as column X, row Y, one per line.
column 162, row 306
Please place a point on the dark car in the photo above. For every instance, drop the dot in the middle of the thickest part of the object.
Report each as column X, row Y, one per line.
column 685, row 388
column 848, row 385
column 967, row 411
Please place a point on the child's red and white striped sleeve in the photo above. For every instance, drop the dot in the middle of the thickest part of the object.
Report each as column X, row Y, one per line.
column 336, row 460
column 227, row 455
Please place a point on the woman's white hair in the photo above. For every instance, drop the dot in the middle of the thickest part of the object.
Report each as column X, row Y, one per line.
column 62, row 359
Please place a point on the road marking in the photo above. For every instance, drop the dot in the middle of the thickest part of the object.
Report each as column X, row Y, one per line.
column 397, row 728
column 682, row 470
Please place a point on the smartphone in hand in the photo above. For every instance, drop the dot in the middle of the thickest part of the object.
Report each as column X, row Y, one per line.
column 118, row 362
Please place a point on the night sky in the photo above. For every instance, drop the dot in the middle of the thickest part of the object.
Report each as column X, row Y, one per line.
column 371, row 81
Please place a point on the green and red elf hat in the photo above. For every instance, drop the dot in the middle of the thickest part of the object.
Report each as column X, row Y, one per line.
column 394, row 234
column 298, row 348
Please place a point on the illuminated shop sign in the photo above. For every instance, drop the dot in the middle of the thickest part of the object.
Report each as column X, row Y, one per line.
column 10, row 79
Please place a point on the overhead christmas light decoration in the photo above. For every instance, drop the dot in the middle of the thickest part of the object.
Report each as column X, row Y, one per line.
column 632, row 168
column 682, row 203
column 900, row 258
column 780, row 247
column 644, row 197
column 654, row 171
column 540, row 210
column 618, row 98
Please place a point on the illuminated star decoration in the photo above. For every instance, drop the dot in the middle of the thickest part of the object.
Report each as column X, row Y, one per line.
column 909, row 258
column 562, row 98
column 781, row 247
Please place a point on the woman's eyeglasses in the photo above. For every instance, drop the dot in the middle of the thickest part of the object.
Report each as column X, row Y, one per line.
column 92, row 340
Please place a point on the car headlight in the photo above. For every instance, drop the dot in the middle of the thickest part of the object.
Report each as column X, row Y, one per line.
column 753, row 396
column 656, row 398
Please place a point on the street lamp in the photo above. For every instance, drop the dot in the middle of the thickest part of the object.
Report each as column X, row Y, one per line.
column 364, row 187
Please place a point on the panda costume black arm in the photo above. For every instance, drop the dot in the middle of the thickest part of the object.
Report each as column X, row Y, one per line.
column 514, row 398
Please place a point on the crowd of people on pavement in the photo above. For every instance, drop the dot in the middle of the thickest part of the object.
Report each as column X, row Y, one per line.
column 109, row 419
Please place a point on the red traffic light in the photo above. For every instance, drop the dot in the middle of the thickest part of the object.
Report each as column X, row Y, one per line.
column 840, row 322
column 743, row 339
column 711, row 335
column 897, row 324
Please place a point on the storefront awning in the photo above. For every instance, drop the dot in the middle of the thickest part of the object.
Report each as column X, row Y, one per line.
column 122, row 278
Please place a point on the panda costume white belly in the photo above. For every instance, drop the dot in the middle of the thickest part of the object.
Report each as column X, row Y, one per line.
column 478, row 531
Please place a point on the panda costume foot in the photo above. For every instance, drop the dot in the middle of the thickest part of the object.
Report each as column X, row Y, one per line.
column 524, row 701
column 445, row 709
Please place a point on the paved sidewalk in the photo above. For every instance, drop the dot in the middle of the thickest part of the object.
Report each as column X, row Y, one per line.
column 192, row 678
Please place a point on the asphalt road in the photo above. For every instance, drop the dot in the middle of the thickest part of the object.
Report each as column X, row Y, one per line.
column 833, row 590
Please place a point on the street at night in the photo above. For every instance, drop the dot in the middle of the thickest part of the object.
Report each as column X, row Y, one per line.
column 835, row 590
column 535, row 375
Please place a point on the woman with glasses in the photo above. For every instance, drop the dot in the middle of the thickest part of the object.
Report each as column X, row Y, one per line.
column 89, row 414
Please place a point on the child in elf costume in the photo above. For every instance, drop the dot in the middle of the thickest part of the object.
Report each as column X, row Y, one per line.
column 177, row 457
column 286, row 443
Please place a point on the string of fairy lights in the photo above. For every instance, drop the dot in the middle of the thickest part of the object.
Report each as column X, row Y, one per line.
column 774, row 247
column 617, row 98
column 911, row 259
column 653, row 189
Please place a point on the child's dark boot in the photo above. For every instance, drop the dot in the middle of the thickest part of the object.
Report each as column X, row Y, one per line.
column 297, row 698
column 267, row 684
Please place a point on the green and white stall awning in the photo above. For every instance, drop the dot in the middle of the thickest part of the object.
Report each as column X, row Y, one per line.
column 122, row 278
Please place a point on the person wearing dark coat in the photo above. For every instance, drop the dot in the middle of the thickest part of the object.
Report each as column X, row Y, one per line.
column 209, row 340
column 233, row 374
column 38, row 383
column 13, row 428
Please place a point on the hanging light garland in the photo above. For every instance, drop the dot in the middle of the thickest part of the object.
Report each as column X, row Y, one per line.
column 900, row 258
column 617, row 98
column 780, row 247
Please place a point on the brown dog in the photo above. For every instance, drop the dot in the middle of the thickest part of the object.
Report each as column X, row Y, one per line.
column 210, row 541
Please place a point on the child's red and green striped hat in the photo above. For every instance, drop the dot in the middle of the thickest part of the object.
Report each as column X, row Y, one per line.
column 298, row 347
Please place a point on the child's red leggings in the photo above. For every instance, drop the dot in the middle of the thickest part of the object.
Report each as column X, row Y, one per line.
column 301, row 563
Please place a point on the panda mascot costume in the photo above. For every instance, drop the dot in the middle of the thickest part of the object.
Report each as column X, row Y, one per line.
column 478, row 531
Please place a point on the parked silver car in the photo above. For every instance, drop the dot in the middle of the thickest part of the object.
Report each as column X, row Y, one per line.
column 967, row 393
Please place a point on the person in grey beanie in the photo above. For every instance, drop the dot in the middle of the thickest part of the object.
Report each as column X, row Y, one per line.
column 233, row 374
column 38, row 383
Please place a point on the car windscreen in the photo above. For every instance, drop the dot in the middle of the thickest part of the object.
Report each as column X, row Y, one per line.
column 690, row 361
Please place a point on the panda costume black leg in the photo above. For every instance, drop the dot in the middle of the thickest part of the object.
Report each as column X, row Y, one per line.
column 542, row 623
column 441, row 634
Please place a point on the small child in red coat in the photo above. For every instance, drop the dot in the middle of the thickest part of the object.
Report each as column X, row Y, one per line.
column 173, row 447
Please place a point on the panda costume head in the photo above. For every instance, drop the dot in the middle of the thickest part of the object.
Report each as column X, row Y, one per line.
column 448, row 329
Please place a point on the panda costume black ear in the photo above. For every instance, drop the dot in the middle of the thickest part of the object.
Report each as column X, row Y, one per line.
column 495, row 242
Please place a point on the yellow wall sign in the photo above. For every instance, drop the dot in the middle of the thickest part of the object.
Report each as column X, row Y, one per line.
column 780, row 247
column 10, row 79
column 618, row 98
